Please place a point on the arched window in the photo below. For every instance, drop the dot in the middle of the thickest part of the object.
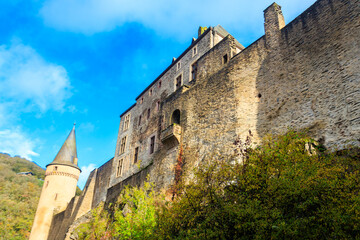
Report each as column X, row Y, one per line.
column 175, row 117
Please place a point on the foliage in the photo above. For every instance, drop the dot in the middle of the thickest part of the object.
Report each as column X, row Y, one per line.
column 19, row 196
column 283, row 189
column 136, row 219
column 97, row 227
column 78, row 191
column 132, row 217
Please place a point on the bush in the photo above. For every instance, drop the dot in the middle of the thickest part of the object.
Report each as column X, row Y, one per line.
column 132, row 217
column 283, row 189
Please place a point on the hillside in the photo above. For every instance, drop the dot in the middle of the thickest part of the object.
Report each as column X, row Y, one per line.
column 19, row 196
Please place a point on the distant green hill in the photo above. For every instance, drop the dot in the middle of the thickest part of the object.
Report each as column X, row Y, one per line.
column 19, row 196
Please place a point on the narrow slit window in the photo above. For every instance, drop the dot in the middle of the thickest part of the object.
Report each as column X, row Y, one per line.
column 178, row 66
column 148, row 113
column 136, row 154
column 157, row 105
column 225, row 58
column 152, row 144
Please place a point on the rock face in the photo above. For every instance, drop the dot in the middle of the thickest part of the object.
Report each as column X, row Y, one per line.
column 302, row 75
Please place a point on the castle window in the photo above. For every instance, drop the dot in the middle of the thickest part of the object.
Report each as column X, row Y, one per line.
column 139, row 120
column 56, row 195
column 158, row 105
column 175, row 117
column 119, row 168
column 159, row 84
column 126, row 122
column 150, row 92
column 193, row 71
column 225, row 58
column 178, row 65
column 122, row 145
column 178, row 82
column 141, row 100
column 136, row 155
column 194, row 52
column 152, row 144
column 148, row 113
column 55, row 168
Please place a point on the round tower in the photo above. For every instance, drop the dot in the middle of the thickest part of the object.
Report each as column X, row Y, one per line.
column 59, row 187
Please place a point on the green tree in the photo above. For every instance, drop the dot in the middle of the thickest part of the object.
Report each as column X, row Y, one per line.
column 19, row 196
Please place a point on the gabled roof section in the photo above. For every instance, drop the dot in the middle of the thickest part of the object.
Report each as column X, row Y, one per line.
column 67, row 154
column 222, row 32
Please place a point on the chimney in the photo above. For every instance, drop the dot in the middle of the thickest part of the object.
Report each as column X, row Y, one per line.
column 201, row 30
column 274, row 22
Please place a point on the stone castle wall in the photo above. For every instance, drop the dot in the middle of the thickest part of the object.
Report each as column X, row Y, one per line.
column 304, row 75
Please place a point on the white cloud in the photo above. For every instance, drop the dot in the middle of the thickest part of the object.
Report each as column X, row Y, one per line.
column 15, row 142
column 169, row 17
column 85, row 172
column 30, row 82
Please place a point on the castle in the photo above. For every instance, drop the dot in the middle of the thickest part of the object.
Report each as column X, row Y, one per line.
column 303, row 75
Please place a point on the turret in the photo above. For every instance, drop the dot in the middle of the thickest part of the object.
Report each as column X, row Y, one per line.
column 59, row 187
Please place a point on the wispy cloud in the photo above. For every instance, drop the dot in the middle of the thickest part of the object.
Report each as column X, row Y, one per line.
column 28, row 84
column 28, row 80
column 15, row 142
column 167, row 17
column 85, row 172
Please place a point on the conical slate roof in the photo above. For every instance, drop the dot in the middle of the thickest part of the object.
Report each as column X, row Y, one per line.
column 67, row 154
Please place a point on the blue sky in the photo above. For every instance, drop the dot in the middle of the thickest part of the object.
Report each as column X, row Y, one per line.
column 85, row 61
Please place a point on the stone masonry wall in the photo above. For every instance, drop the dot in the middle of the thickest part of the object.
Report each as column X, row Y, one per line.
column 139, row 134
column 102, row 183
column 313, row 80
